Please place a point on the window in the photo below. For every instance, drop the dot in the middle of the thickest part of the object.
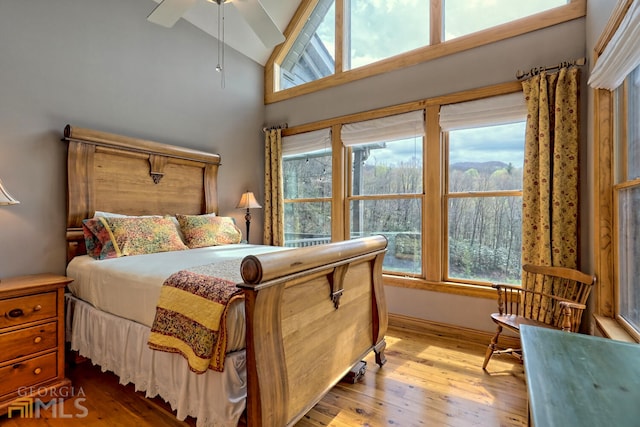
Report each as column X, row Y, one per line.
column 462, row 17
column 485, row 145
column 332, row 43
column 627, row 197
column 312, row 56
column 615, row 76
column 307, row 180
column 380, row 30
column 385, row 191
column 442, row 182
column 484, row 209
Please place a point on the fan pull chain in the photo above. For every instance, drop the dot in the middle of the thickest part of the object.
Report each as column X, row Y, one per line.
column 220, row 66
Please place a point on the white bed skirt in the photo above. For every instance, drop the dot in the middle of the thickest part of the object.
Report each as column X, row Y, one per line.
column 215, row 399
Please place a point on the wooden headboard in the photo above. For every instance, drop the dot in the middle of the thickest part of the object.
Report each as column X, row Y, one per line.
column 115, row 173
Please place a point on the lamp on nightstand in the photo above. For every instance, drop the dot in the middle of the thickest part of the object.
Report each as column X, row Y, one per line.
column 5, row 197
column 248, row 201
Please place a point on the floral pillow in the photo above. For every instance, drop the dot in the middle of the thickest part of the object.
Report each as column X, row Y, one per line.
column 119, row 215
column 143, row 235
column 97, row 239
column 206, row 230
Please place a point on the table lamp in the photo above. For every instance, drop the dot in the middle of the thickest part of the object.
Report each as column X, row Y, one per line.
column 248, row 201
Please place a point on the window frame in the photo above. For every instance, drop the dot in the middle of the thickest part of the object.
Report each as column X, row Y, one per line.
column 350, row 197
column 447, row 196
column 437, row 48
column 619, row 182
column 433, row 231
column 606, row 310
column 300, row 200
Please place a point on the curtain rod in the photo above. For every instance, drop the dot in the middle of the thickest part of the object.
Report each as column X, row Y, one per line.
column 534, row 71
column 282, row 126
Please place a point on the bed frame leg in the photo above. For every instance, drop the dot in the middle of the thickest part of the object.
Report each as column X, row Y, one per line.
column 379, row 350
column 356, row 373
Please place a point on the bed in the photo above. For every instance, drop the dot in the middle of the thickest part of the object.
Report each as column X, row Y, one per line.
column 305, row 317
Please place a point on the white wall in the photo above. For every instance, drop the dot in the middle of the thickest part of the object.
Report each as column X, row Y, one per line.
column 483, row 66
column 99, row 64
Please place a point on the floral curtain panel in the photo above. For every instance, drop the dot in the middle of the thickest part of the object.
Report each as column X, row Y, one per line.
column 550, row 188
column 273, row 189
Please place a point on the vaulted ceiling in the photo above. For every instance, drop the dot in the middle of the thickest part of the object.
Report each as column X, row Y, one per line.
column 237, row 33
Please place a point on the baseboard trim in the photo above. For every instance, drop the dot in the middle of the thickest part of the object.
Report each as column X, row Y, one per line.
column 424, row 326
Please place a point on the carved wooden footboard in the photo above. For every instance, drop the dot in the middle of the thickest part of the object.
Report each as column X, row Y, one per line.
column 312, row 314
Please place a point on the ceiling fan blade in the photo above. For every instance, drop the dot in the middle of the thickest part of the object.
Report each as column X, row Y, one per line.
column 168, row 12
column 259, row 20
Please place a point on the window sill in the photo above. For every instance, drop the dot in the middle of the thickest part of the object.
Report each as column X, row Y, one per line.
column 444, row 287
column 610, row 328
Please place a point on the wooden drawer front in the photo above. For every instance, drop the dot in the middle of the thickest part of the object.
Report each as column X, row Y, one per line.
column 28, row 373
column 16, row 311
column 27, row 341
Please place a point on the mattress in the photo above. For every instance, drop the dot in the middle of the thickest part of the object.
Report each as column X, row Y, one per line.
column 129, row 287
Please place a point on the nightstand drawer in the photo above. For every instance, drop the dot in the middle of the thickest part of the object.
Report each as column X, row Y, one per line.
column 19, row 310
column 28, row 373
column 27, row 341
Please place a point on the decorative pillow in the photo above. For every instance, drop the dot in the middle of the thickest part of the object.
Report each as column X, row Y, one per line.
column 206, row 230
column 97, row 239
column 143, row 235
column 119, row 215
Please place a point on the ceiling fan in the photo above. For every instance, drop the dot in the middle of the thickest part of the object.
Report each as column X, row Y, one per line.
column 168, row 12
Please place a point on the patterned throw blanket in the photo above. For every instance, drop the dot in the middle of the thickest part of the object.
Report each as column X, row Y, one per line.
column 191, row 318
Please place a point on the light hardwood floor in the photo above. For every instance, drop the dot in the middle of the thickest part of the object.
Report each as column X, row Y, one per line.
column 428, row 380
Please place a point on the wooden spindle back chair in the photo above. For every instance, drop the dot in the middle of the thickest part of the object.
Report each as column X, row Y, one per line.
column 551, row 297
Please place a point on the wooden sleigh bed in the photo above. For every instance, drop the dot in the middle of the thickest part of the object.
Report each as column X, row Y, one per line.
column 311, row 314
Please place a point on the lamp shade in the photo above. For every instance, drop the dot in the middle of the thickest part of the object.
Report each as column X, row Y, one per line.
column 248, row 201
column 5, row 197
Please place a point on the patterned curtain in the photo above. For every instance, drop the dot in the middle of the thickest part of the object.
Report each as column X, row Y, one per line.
column 273, row 189
column 550, row 188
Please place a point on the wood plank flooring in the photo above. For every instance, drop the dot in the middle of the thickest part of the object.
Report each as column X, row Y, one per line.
column 428, row 380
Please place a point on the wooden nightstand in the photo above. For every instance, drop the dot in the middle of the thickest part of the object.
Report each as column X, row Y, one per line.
column 31, row 338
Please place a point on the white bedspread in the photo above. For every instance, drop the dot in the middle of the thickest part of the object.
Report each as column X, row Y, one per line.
column 129, row 287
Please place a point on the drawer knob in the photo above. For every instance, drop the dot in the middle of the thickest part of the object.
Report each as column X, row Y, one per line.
column 37, row 371
column 15, row 313
column 37, row 308
column 36, row 340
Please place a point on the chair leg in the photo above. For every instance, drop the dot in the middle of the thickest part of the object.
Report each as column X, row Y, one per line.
column 493, row 345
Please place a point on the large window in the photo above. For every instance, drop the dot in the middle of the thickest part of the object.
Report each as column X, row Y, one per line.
column 312, row 56
column 378, row 30
column 336, row 41
column 616, row 80
column 385, row 191
column 627, row 197
column 484, row 209
column 462, row 17
column 307, row 180
column 441, row 181
column 484, row 142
